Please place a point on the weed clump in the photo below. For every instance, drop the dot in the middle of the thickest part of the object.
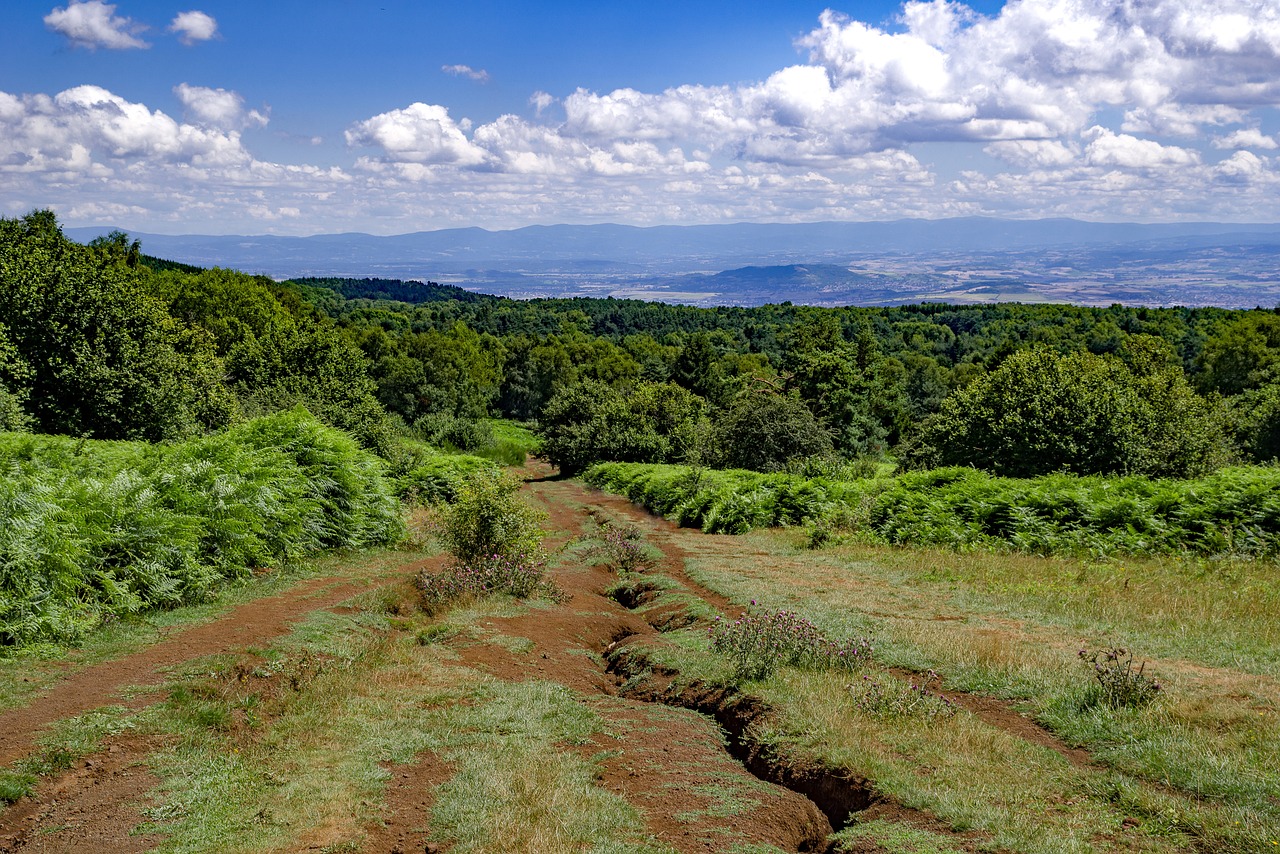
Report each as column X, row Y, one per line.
column 918, row 699
column 623, row 548
column 1119, row 685
column 495, row 540
column 759, row 643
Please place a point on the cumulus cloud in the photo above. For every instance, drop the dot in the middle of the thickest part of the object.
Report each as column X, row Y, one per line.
column 93, row 24
column 1087, row 108
column 1120, row 149
column 220, row 108
column 477, row 74
column 420, row 133
column 540, row 101
column 1246, row 138
column 193, row 27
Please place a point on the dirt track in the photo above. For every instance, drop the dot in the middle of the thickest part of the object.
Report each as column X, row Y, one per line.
column 661, row 759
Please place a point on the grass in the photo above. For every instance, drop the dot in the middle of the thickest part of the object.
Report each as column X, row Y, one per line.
column 34, row 669
column 895, row 838
column 293, row 746
column 1195, row 767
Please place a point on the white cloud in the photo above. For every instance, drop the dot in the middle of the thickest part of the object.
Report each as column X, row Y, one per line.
column 193, row 27
column 477, row 74
column 1038, row 153
column 420, row 133
column 220, row 108
column 94, row 24
column 1245, row 138
column 1120, row 149
column 540, row 101
column 1079, row 102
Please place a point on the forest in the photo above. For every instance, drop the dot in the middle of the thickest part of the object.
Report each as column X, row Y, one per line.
column 1046, row 428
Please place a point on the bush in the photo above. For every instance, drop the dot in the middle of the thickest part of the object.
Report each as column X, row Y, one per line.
column 488, row 518
column 495, row 541
column 447, row 431
column 759, row 643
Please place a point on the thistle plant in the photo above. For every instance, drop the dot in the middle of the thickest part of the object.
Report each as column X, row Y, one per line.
column 919, row 698
column 758, row 643
column 622, row 547
column 1120, row 685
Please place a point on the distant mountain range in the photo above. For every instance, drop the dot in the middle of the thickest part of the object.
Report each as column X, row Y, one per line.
column 970, row 259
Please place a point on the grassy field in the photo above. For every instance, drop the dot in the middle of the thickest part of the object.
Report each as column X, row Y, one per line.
column 1194, row 769
column 584, row 722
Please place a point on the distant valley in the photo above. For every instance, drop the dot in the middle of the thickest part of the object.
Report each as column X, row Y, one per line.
column 969, row 260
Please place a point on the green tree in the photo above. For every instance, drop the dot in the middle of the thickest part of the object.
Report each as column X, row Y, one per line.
column 1042, row 411
column 106, row 358
column 651, row 422
column 1239, row 354
column 763, row 431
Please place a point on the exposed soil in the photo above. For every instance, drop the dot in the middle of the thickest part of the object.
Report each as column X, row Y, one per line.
column 685, row 758
column 93, row 806
column 405, row 825
column 250, row 624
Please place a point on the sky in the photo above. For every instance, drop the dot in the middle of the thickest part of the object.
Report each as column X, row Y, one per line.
column 393, row 116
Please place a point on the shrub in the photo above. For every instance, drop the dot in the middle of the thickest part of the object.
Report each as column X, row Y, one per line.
column 1119, row 685
column 495, row 541
column 759, row 643
column 450, row 432
column 488, row 518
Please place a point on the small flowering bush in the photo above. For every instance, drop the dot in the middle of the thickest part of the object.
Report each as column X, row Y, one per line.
column 1119, row 686
column 521, row 576
column 496, row 544
column 623, row 549
column 917, row 699
column 758, row 643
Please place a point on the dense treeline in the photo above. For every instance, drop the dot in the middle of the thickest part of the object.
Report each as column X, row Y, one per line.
column 103, row 341
column 1169, row 392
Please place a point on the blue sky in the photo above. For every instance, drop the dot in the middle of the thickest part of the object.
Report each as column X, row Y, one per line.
column 392, row 116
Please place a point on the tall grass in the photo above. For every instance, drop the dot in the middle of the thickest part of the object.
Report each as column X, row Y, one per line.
column 94, row 531
column 1235, row 511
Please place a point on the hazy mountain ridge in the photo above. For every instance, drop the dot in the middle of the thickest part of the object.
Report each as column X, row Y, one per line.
column 965, row 259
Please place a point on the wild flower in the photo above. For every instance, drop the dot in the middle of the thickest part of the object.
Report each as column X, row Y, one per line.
column 1119, row 686
column 521, row 575
column 759, row 643
column 623, row 549
column 916, row 699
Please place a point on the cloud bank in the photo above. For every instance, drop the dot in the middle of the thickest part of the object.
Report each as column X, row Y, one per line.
column 1148, row 109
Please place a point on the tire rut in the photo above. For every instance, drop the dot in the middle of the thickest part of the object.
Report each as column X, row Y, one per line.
column 249, row 624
